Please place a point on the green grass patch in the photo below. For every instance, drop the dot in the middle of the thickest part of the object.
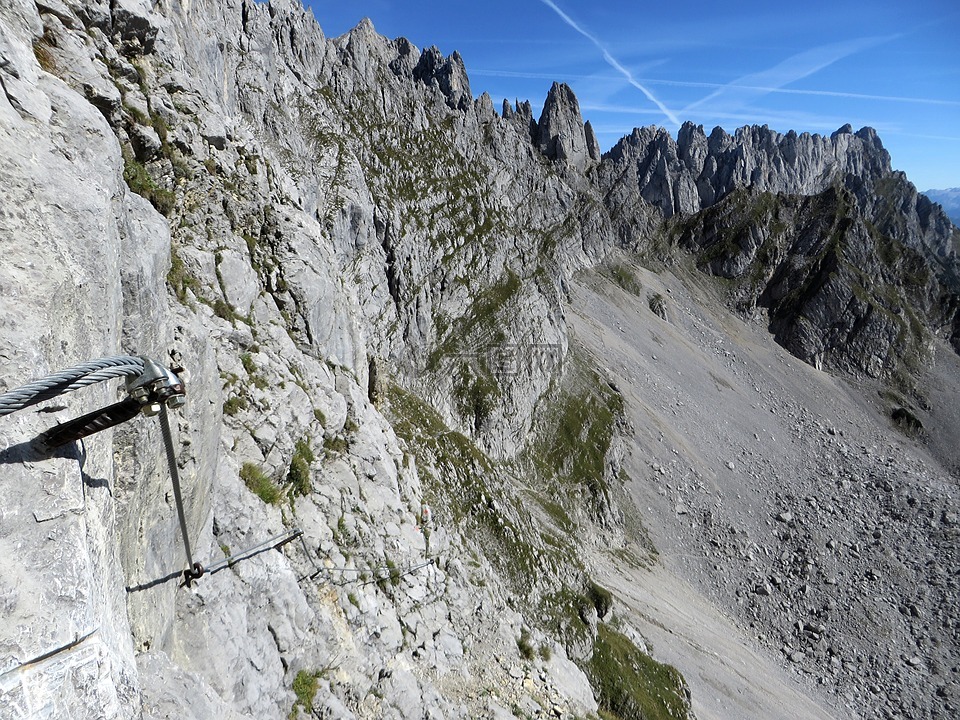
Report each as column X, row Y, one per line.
column 138, row 179
column 631, row 685
column 234, row 405
column 179, row 278
column 223, row 309
column 601, row 598
column 260, row 484
column 305, row 686
column 578, row 430
column 476, row 392
column 624, row 276
column 468, row 485
column 299, row 473
column 479, row 329
column 525, row 646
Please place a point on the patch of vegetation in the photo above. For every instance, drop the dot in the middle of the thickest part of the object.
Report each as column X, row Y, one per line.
column 525, row 646
column 557, row 513
column 578, row 430
column 393, row 572
column 44, row 54
column 479, row 327
column 631, row 685
column 658, row 305
column 337, row 445
column 139, row 181
column 299, row 473
column 452, row 467
column 624, row 276
column 601, row 598
column 305, row 686
column 223, row 309
column 728, row 228
column 249, row 364
column 260, row 484
column 476, row 391
column 563, row 613
column 179, row 277
column 907, row 421
column 136, row 114
column 234, row 405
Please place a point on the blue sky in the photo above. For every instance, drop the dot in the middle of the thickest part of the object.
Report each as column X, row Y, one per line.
column 811, row 67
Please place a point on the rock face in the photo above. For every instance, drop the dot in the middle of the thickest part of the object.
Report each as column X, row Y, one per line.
column 949, row 200
column 562, row 133
column 695, row 171
column 820, row 231
column 367, row 273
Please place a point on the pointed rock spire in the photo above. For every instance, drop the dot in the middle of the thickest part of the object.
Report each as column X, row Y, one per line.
column 562, row 135
column 448, row 74
column 593, row 145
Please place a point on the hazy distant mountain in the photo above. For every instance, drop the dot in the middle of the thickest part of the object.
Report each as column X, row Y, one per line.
column 949, row 199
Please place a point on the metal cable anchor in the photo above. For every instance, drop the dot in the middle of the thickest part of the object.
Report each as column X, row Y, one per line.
column 152, row 388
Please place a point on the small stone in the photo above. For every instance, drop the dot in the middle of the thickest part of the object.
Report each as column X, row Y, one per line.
column 763, row 589
column 797, row 656
column 785, row 516
column 914, row 661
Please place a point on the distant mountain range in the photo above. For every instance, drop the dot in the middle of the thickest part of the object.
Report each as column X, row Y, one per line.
column 949, row 199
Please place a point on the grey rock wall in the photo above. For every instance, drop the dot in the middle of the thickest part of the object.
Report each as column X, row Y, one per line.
column 66, row 214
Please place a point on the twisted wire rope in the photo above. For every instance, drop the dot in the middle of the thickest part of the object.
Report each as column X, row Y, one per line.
column 73, row 378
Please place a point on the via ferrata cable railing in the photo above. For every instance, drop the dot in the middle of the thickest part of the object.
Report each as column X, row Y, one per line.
column 70, row 379
column 152, row 389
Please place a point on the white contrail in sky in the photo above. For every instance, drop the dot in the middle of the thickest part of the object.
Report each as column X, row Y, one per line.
column 612, row 61
column 796, row 67
column 726, row 86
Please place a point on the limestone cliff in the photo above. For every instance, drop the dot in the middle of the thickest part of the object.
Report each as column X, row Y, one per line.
column 368, row 275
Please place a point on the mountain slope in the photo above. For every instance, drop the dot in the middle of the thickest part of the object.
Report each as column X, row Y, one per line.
column 389, row 294
column 949, row 200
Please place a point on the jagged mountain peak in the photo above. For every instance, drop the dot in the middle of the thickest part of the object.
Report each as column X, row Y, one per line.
column 562, row 134
column 449, row 74
column 694, row 171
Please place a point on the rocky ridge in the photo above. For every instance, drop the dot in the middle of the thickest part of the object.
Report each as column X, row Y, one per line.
column 948, row 200
column 355, row 251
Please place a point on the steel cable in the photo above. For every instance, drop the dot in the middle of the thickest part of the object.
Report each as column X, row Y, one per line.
column 194, row 569
column 268, row 544
column 73, row 378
